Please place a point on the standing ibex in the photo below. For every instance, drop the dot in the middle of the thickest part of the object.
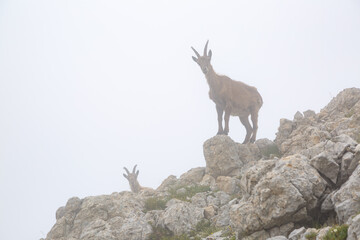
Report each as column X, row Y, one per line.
column 234, row 97
column 132, row 178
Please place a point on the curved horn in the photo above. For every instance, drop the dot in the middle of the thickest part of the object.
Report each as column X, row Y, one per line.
column 127, row 171
column 134, row 169
column 197, row 54
column 205, row 49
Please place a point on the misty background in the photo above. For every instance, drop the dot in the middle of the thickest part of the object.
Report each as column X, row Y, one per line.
column 88, row 87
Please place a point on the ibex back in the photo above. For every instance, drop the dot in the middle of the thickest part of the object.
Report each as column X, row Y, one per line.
column 232, row 97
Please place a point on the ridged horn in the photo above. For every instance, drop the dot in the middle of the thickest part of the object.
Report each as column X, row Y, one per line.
column 205, row 49
column 197, row 54
column 127, row 171
column 134, row 169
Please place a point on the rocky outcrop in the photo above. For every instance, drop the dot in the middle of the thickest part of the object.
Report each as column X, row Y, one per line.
column 340, row 116
column 266, row 190
column 288, row 192
column 224, row 157
column 116, row 216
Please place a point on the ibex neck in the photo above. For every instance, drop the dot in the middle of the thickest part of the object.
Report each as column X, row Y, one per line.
column 212, row 77
column 135, row 187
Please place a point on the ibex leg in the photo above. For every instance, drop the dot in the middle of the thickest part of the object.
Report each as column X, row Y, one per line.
column 249, row 130
column 227, row 118
column 254, row 119
column 220, row 113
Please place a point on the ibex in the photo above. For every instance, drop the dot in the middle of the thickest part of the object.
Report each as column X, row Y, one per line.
column 132, row 178
column 232, row 97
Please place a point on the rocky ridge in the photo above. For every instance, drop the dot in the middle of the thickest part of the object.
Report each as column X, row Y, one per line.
column 308, row 176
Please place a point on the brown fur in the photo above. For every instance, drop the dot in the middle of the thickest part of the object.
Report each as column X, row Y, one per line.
column 232, row 97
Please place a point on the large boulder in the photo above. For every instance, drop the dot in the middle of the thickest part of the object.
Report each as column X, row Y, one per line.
column 181, row 217
column 221, row 156
column 288, row 192
column 224, row 157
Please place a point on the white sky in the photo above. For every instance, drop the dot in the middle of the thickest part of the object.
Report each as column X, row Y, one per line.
column 88, row 87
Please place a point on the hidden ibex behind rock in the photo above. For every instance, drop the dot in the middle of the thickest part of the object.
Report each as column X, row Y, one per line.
column 132, row 178
column 232, row 97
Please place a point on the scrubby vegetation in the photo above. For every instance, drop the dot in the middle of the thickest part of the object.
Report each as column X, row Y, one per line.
column 154, row 203
column 160, row 233
column 188, row 192
column 337, row 233
column 311, row 236
column 157, row 203
column 201, row 230
column 271, row 151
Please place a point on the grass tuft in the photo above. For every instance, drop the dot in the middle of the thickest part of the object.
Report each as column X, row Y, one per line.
column 154, row 203
column 311, row 236
column 189, row 192
column 337, row 233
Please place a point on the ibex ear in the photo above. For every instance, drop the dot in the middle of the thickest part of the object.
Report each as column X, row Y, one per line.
column 209, row 55
column 125, row 176
column 195, row 59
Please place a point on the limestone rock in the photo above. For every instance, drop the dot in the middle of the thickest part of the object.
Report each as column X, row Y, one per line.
column 167, row 183
column 283, row 230
column 322, row 232
column 326, row 165
column 284, row 194
column 253, row 175
column 228, row 184
column 199, row 200
column 354, row 228
column 221, row 156
column 298, row 116
column 277, row 238
column 210, row 181
column 260, row 235
column 297, row 233
column 181, row 217
column 193, row 176
column 340, row 116
column 101, row 217
column 209, row 212
column 347, row 199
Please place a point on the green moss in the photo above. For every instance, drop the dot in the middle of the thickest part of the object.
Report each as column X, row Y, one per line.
column 154, row 203
column 337, row 233
column 311, row 236
column 189, row 192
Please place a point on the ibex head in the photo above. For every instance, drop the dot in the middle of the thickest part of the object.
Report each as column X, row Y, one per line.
column 132, row 178
column 203, row 61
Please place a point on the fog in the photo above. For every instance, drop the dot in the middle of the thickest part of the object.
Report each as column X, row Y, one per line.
column 89, row 87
